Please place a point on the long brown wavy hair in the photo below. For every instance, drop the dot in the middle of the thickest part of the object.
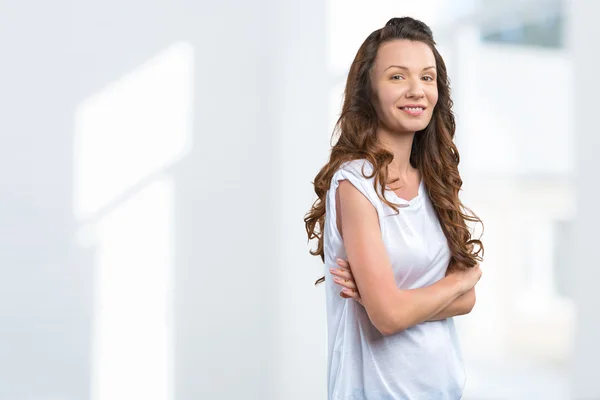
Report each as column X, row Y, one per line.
column 433, row 151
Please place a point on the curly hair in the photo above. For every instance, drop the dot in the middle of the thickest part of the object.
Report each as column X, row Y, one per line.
column 433, row 151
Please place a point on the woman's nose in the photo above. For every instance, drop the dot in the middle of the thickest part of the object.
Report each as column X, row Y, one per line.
column 415, row 90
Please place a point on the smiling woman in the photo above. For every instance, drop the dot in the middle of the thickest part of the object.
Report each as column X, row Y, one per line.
column 388, row 203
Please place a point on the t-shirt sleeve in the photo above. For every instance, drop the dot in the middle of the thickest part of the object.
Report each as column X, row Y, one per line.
column 353, row 173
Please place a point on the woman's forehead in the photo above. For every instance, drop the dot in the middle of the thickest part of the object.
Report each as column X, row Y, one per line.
column 404, row 53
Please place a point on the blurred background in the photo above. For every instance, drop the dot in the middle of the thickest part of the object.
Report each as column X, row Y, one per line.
column 156, row 160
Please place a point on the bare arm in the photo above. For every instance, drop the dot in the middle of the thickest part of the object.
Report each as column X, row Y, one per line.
column 343, row 276
column 461, row 306
column 390, row 309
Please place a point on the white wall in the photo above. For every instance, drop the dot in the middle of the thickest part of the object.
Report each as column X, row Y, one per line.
column 44, row 291
column 301, row 125
column 586, row 351
column 243, row 319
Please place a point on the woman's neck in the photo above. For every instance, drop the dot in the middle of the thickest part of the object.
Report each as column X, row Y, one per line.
column 400, row 145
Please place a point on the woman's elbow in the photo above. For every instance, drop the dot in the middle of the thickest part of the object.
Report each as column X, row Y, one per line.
column 387, row 318
column 470, row 301
column 388, row 324
column 387, row 329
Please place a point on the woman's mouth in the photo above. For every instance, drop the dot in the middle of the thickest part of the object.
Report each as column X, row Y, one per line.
column 414, row 111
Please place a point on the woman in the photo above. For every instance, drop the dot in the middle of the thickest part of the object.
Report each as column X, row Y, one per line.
column 388, row 203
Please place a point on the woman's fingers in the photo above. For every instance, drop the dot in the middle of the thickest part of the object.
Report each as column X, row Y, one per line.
column 343, row 277
column 342, row 273
column 349, row 294
column 346, row 283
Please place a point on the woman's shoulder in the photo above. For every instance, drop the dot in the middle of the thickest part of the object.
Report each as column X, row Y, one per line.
column 359, row 172
column 360, row 168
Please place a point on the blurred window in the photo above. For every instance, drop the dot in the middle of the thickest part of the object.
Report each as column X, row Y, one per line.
column 543, row 31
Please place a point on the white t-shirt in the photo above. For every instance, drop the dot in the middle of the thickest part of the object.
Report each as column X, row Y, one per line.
column 420, row 363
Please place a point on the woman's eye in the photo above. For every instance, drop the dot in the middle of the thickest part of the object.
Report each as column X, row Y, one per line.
column 397, row 77
column 428, row 78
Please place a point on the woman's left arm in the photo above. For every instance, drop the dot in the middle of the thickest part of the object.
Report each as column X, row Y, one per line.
column 461, row 306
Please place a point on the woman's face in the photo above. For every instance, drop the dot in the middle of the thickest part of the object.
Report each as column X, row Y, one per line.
column 404, row 83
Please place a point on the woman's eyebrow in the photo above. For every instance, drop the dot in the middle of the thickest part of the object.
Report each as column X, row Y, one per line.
column 403, row 67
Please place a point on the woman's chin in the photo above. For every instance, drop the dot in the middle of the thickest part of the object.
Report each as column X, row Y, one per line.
column 412, row 126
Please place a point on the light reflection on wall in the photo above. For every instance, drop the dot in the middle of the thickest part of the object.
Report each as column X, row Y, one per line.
column 135, row 127
column 126, row 138
column 132, row 334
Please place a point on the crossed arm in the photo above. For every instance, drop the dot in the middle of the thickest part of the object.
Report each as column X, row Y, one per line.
column 391, row 309
column 460, row 306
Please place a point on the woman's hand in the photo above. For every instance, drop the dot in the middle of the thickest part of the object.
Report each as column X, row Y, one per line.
column 343, row 277
column 468, row 277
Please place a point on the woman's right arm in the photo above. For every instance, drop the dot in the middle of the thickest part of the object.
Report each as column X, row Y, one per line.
column 390, row 309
